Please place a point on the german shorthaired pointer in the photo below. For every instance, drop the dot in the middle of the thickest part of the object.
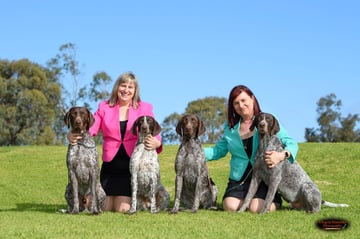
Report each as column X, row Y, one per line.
column 145, row 170
column 289, row 179
column 82, row 164
column 193, row 187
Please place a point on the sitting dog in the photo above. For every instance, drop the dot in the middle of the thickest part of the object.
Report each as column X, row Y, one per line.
column 145, row 170
column 289, row 179
column 82, row 165
column 194, row 187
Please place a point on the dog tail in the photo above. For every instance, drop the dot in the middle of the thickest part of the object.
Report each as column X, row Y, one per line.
column 330, row 204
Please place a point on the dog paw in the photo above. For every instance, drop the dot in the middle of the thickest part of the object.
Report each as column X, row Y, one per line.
column 132, row 211
column 213, row 208
column 174, row 211
column 94, row 212
column 194, row 210
column 263, row 211
column 242, row 209
column 154, row 211
column 75, row 212
column 62, row 210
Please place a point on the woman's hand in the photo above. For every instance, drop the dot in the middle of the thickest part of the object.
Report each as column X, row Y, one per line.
column 151, row 143
column 273, row 158
column 73, row 138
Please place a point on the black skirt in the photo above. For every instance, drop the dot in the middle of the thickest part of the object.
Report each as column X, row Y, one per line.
column 239, row 189
column 115, row 175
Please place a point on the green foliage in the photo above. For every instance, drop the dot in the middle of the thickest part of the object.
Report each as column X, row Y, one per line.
column 168, row 133
column 64, row 68
column 333, row 127
column 211, row 110
column 27, row 103
column 34, row 179
column 34, row 99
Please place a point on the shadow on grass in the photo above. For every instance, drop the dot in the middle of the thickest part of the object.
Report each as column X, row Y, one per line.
column 35, row 207
column 60, row 208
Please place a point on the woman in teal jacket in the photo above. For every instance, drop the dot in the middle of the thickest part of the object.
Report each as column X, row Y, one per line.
column 242, row 144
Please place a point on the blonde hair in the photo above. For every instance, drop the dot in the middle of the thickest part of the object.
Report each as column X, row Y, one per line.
column 125, row 78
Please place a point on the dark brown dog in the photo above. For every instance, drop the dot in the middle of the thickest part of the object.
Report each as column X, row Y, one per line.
column 82, row 164
column 194, row 187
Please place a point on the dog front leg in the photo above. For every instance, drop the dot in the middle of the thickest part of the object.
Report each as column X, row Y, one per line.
column 93, row 193
column 273, row 186
column 178, row 188
column 75, row 196
column 153, row 208
column 254, row 184
column 134, row 193
column 196, row 203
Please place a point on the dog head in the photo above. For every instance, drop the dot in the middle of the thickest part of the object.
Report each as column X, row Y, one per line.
column 146, row 125
column 190, row 127
column 266, row 124
column 79, row 119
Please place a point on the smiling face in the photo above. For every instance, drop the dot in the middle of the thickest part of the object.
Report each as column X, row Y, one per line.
column 244, row 105
column 126, row 92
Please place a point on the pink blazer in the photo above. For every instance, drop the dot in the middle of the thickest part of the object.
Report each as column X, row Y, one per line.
column 107, row 120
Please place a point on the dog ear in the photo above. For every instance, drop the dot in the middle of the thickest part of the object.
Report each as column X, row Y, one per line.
column 90, row 119
column 276, row 126
column 201, row 128
column 135, row 126
column 157, row 128
column 254, row 123
column 67, row 118
column 179, row 128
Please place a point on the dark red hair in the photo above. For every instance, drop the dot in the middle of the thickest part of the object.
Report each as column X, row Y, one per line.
column 233, row 117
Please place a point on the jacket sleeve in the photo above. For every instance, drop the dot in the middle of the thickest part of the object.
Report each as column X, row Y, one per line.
column 218, row 151
column 98, row 116
column 289, row 143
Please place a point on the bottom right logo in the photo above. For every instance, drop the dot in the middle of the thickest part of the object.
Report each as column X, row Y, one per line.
column 332, row 224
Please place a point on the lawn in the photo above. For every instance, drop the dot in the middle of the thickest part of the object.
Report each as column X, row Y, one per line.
column 33, row 180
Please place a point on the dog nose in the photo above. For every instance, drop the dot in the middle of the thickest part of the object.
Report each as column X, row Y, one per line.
column 77, row 121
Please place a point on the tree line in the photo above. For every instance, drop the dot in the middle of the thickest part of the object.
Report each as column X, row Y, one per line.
column 33, row 101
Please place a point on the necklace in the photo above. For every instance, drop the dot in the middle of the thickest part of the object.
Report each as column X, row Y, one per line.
column 246, row 143
column 248, row 146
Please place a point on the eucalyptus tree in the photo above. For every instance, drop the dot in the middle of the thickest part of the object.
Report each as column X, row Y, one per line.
column 332, row 126
column 27, row 103
column 211, row 110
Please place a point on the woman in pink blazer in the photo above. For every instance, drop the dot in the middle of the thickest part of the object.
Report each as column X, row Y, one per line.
column 114, row 118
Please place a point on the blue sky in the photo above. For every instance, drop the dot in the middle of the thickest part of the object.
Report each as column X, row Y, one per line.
column 290, row 53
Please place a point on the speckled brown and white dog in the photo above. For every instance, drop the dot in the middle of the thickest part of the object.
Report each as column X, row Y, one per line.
column 145, row 170
column 294, row 185
column 82, row 164
column 193, row 187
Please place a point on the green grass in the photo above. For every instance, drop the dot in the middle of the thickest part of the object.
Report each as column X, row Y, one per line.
column 33, row 181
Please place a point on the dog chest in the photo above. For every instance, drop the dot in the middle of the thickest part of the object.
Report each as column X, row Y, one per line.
column 145, row 165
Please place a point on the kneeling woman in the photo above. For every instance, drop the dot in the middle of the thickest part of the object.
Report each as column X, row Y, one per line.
column 242, row 143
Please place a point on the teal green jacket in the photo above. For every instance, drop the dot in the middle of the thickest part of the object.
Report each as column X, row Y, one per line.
column 232, row 142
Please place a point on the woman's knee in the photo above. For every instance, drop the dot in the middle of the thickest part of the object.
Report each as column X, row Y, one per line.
column 231, row 204
column 257, row 204
column 121, row 204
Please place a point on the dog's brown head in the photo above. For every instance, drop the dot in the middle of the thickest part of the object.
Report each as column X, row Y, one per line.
column 79, row 119
column 146, row 125
column 190, row 127
column 266, row 124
